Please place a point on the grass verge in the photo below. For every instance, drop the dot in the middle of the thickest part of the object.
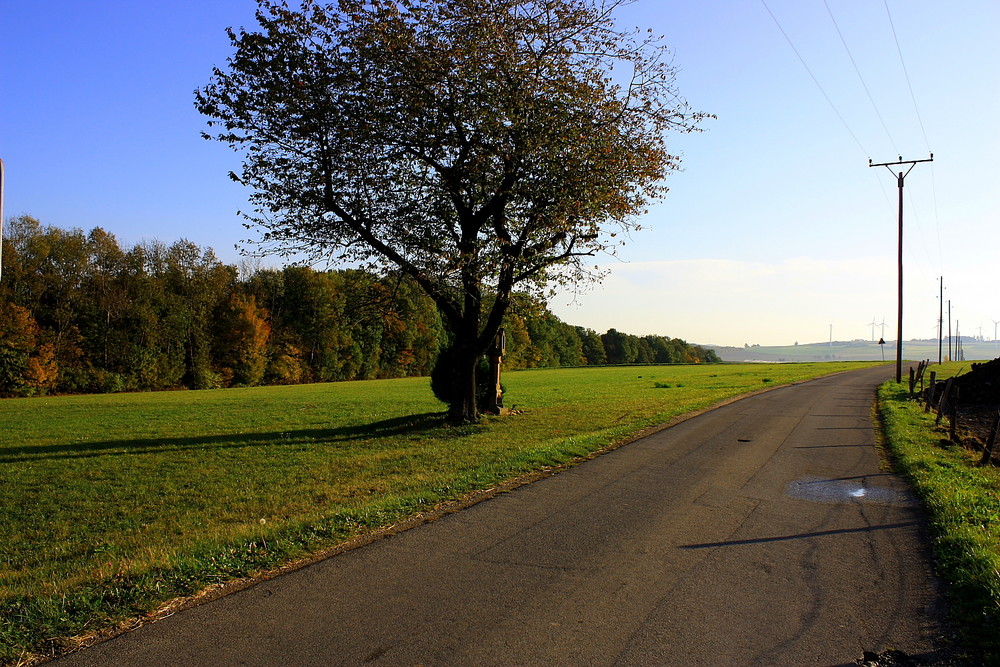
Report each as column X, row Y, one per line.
column 113, row 505
column 963, row 505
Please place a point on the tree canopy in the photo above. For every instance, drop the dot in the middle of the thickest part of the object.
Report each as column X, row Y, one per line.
column 476, row 146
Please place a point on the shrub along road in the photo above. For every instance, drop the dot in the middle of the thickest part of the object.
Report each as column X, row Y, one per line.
column 762, row 532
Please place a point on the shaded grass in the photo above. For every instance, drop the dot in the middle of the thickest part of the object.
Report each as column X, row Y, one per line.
column 963, row 505
column 113, row 504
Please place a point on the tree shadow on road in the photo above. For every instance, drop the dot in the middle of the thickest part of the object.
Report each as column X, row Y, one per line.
column 802, row 536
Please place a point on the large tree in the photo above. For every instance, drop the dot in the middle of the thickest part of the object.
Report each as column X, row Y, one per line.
column 478, row 146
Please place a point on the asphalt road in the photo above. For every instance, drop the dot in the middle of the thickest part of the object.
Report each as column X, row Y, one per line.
column 762, row 532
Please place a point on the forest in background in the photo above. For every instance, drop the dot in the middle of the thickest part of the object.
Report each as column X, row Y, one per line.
column 81, row 313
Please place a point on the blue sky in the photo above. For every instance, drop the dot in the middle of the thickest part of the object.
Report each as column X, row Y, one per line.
column 775, row 230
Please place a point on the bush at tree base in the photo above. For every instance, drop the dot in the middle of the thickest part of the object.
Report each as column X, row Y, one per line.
column 446, row 380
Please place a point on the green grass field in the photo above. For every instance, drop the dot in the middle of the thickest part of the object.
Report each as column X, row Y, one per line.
column 962, row 501
column 112, row 505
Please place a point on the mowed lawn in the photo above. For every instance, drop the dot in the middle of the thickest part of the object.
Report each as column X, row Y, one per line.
column 111, row 505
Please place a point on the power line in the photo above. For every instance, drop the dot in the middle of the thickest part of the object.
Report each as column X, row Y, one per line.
column 937, row 224
column 860, row 78
column 815, row 80
column 885, row 195
column 923, row 131
column 906, row 74
column 925, row 256
column 870, row 99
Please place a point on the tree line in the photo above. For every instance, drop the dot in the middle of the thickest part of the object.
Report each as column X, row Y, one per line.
column 81, row 313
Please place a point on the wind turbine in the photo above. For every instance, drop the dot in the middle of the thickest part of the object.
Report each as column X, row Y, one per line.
column 873, row 324
column 882, row 324
column 995, row 323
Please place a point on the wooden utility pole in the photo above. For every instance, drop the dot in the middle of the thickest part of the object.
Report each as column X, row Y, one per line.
column 950, row 357
column 899, row 315
column 941, row 319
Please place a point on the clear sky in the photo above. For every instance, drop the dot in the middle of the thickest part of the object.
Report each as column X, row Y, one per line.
column 775, row 231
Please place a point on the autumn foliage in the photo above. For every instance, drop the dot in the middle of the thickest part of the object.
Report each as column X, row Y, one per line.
column 27, row 364
column 81, row 313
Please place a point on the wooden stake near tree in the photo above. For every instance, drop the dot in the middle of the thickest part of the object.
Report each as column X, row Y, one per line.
column 496, row 354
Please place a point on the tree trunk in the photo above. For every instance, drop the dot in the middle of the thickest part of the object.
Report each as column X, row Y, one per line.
column 464, row 410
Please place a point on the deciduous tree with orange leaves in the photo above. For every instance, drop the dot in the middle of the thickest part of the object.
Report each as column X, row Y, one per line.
column 27, row 367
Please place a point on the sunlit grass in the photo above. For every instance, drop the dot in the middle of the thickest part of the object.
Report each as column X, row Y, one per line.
column 112, row 504
column 963, row 505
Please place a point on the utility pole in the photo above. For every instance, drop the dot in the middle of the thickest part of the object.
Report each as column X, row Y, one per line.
column 950, row 358
column 899, row 315
column 958, row 342
column 940, row 317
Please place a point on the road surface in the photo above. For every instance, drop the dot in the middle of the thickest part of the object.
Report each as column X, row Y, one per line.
column 762, row 532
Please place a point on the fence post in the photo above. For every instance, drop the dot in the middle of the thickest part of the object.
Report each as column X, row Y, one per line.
column 953, row 415
column 930, row 392
column 943, row 401
column 990, row 441
column 913, row 381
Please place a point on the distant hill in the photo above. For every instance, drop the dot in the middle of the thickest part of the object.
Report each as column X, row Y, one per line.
column 856, row 350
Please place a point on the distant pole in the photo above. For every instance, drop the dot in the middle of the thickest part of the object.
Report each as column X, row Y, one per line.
column 900, row 178
column 950, row 357
column 940, row 318
column 831, row 336
column 958, row 342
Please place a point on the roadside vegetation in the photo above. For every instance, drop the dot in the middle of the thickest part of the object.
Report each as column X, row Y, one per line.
column 114, row 504
column 962, row 500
